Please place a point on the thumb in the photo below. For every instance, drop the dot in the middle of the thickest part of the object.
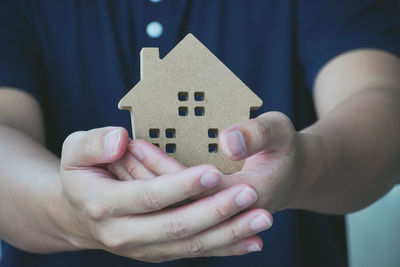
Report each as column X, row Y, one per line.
column 269, row 131
column 97, row 146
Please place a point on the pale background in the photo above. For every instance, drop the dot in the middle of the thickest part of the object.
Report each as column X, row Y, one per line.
column 374, row 233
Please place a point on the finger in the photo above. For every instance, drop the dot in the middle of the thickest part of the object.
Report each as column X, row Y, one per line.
column 188, row 220
column 115, row 198
column 97, row 146
column 130, row 168
column 232, row 237
column 154, row 159
column 222, row 235
column 155, row 253
column 242, row 247
column 270, row 131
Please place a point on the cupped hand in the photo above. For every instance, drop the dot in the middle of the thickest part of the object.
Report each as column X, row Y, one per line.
column 134, row 218
column 275, row 156
column 273, row 150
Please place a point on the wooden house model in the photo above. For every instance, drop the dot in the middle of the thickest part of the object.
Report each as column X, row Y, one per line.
column 183, row 102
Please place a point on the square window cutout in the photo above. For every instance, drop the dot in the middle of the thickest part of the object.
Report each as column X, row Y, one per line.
column 154, row 133
column 155, row 144
column 170, row 133
column 170, row 148
column 183, row 96
column 199, row 96
column 199, row 111
column 212, row 148
column 213, row 133
column 182, row 111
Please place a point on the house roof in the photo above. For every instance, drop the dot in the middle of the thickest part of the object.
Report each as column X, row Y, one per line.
column 189, row 55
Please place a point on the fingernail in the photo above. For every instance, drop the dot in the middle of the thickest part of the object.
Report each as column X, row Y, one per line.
column 211, row 178
column 260, row 223
column 137, row 152
column 235, row 143
column 253, row 248
column 112, row 140
column 246, row 197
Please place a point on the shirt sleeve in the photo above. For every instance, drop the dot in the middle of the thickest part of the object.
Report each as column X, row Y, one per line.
column 19, row 54
column 327, row 28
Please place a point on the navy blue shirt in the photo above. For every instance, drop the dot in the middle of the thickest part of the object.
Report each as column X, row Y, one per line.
column 78, row 58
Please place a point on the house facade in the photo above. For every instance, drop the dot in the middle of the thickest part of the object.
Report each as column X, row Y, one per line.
column 184, row 101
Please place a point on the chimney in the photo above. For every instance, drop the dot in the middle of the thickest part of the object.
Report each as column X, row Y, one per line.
column 149, row 59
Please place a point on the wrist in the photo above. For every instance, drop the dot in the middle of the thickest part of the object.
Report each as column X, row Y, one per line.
column 59, row 213
column 312, row 160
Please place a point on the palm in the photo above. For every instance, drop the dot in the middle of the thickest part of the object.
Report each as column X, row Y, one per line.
column 267, row 172
column 271, row 171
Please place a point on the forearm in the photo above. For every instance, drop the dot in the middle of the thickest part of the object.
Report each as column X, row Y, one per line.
column 353, row 153
column 30, row 191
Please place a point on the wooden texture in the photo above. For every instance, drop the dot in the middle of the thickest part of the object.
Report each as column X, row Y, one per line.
column 185, row 100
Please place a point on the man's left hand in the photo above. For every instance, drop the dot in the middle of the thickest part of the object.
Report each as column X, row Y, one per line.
column 274, row 152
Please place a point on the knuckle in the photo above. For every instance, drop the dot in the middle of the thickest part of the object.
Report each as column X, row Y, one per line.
column 258, row 126
column 222, row 209
column 235, row 233
column 110, row 240
column 279, row 115
column 69, row 142
column 70, row 138
column 150, row 200
column 288, row 125
column 96, row 212
column 124, row 177
column 92, row 144
column 177, row 230
column 283, row 119
column 194, row 247
column 261, row 133
column 132, row 167
column 120, row 170
column 273, row 125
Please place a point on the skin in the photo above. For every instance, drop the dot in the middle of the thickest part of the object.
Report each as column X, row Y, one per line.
column 340, row 164
column 106, row 187
column 76, row 203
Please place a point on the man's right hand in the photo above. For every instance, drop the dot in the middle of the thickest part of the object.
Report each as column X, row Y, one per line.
column 134, row 218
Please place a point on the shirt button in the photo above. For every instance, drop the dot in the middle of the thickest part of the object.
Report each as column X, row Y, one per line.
column 155, row 1
column 154, row 29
